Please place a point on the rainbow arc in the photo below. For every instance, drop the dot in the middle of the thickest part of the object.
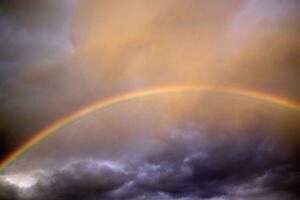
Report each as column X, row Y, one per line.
column 92, row 108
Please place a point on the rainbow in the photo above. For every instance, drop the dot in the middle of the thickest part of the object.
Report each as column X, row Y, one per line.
column 39, row 136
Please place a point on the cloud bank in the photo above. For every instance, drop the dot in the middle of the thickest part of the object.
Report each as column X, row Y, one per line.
column 185, row 165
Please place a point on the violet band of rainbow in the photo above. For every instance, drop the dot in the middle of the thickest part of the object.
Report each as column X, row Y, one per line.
column 39, row 136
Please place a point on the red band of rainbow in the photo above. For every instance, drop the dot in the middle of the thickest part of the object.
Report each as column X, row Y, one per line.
column 39, row 136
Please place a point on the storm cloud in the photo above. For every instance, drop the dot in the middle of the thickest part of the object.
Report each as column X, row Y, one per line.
column 185, row 165
column 59, row 56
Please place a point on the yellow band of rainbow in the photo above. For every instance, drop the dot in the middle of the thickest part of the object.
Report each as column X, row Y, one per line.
column 136, row 95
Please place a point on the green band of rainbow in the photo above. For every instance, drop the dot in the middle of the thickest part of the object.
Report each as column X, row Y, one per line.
column 135, row 95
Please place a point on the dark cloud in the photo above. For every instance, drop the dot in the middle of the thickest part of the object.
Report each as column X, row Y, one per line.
column 34, row 37
column 33, row 33
column 184, row 166
column 82, row 180
column 8, row 191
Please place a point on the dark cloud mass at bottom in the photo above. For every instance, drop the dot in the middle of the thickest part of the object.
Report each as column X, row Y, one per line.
column 185, row 165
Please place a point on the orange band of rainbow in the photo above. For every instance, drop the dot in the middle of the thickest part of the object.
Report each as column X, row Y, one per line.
column 135, row 95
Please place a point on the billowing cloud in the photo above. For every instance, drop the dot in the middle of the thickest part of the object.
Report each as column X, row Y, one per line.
column 185, row 165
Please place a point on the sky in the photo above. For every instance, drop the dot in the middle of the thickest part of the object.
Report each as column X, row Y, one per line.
column 57, row 57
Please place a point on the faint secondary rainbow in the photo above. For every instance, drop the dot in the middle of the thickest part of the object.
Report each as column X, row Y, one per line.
column 277, row 100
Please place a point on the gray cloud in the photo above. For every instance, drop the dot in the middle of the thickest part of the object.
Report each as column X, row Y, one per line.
column 8, row 191
column 184, row 166
column 33, row 33
column 34, row 38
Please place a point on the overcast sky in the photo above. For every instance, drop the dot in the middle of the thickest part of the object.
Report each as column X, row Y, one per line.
column 58, row 56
